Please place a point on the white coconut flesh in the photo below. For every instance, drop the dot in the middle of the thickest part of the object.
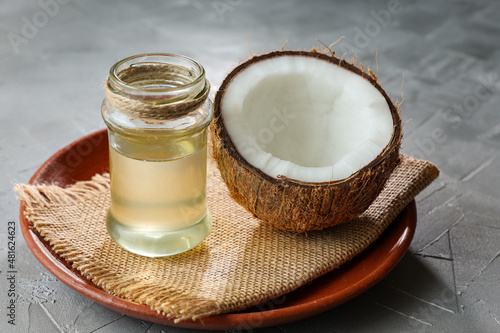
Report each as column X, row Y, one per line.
column 305, row 119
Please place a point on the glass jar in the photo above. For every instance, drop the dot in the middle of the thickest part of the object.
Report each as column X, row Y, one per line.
column 157, row 111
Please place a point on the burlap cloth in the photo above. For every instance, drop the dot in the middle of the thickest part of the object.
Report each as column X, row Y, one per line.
column 242, row 263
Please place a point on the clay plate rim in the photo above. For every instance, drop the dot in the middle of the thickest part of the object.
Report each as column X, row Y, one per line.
column 88, row 155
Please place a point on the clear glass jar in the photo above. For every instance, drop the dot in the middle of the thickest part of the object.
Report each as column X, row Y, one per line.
column 157, row 111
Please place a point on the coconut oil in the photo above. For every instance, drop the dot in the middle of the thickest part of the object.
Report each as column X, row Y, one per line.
column 158, row 162
column 146, row 192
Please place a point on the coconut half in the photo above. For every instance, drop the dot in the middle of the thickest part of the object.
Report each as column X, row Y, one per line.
column 304, row 140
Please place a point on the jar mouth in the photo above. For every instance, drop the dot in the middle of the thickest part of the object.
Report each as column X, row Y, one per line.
column 159, row 74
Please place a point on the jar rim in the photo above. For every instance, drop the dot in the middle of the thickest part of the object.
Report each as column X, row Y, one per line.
column 155, row 58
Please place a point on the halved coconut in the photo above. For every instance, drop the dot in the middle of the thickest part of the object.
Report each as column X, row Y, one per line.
column 304, row 140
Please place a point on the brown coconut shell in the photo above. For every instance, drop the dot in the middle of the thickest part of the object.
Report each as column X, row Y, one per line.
column 292, row 205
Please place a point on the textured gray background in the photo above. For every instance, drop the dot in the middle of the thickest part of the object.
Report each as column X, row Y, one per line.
column 448, row 51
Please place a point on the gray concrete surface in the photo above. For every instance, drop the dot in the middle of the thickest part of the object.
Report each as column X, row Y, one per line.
column 54, row 56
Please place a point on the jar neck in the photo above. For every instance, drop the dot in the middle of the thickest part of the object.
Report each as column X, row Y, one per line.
column 157, row 86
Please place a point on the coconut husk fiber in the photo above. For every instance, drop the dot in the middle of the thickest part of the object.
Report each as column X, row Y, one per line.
column 243, row 262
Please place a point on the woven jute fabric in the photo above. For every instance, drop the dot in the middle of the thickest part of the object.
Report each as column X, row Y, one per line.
column 243, row 261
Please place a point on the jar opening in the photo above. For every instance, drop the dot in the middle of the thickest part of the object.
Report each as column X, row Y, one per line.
column 160, row 77
column 156, row 87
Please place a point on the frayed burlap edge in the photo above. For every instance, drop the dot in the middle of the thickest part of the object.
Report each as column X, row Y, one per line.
column 409, row 178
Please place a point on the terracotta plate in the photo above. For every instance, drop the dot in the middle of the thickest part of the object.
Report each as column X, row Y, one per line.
column 89, row 155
